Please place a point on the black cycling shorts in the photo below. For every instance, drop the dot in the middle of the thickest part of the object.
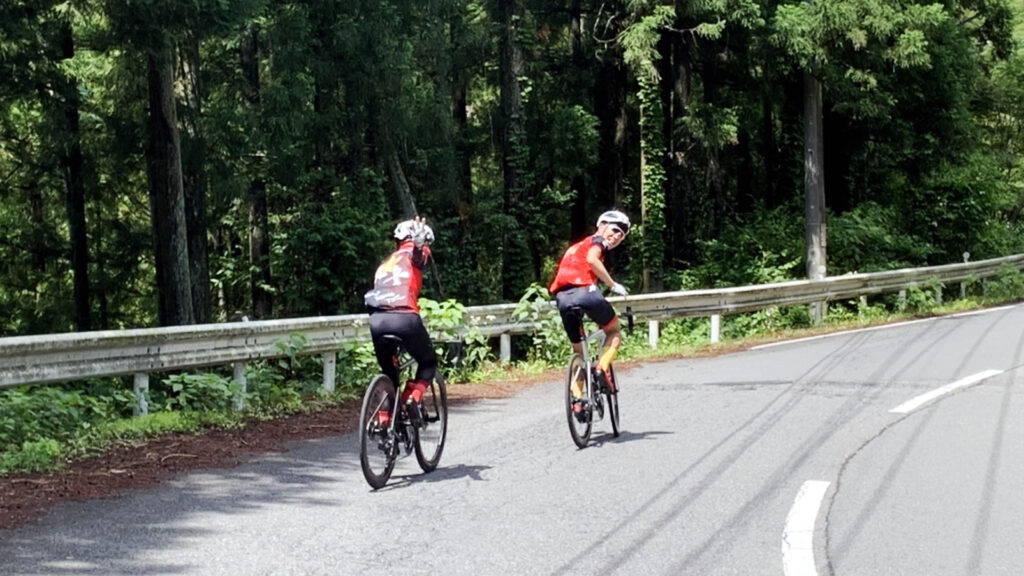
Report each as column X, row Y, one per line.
column 409, row 327
column 591, row 301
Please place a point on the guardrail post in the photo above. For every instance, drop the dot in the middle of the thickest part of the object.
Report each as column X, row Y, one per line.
column 963, row 285
column 901, row 300
column 239, row 378
column 818, row 311
column 716, row 327
column 141, row 388
column 330, row 365
column 652, row 333
column 505, row 348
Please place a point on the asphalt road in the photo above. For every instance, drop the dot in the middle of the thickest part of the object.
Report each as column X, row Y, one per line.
column 786, row 459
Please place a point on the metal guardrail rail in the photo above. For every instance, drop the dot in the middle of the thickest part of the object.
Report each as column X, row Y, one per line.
column 76, row 356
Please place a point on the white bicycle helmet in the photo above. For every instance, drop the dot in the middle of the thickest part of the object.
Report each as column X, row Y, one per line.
column 410, row 229
column 617, row 218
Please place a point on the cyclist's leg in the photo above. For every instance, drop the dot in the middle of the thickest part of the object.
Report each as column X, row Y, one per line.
column 565, row 300
column 384, row 349
column 571, row 321
column 602, row 313
column 612, row 340
column 418, row 343
column 409, row 327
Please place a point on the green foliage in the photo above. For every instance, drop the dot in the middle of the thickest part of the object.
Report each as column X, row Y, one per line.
column 448, row 321
column 196, row 392
column 53, row 412
column 769, row 320
column 922, row 298
column 1009, row 285
column 767, row 248
column 685, row 332
column 35, row 456
column 547, row 343
column 357, row 363
column 869, row 239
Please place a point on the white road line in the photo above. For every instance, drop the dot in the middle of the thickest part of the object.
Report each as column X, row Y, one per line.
column 884, row 326
column 843, row 333
column 798, row 537
column 915, row 403
column 983, row 311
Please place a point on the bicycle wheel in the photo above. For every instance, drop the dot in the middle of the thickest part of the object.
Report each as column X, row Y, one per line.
column 580, row 417
column 430, row 439
column 613, row 402
column 378, row 447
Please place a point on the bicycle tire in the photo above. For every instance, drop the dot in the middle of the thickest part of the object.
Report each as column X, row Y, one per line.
column 430, row 438
column 580, row 426
column 378, row 448
column 613, row 402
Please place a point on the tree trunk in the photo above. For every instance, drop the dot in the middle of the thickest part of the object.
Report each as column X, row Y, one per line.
column 167, row 196
column 516, row 258
column 397, row 175
column 259, row 239
column 74, row 186
column 770, row 152
column 714, row 179
column 652, row 181
column 194, row 180
column 679, row 213
column 578, row 221
column 610, row 105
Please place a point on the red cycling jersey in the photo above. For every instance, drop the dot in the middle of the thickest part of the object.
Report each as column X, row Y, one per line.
column 574, row 270
column 397, row 283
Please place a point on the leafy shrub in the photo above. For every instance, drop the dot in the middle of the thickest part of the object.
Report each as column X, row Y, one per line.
column 34, row 456
column 356, row 364
column 448, row 321
column 1008, row 285
column 55, row 411
column 923, row 297
column 869, row 239
column 548, row 343
column 196, row 392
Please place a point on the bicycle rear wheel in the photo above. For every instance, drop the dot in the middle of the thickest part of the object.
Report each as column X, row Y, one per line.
column 430, row 437
column 612, row 398
column 378, row 446
column 579, row 414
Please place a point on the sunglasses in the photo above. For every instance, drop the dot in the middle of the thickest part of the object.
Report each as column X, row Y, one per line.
column 617, row 230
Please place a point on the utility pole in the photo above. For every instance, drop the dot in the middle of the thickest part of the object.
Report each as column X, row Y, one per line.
column 814, row 185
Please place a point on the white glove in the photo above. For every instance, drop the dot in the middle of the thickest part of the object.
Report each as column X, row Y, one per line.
column 619, row 289
column 419, row 233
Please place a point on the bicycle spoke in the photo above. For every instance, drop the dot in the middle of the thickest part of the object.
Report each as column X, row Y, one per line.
column 578, row 410
column 378, row 445
column 431, row 436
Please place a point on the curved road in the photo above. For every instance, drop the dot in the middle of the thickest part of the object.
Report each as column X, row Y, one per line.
column 895, row 450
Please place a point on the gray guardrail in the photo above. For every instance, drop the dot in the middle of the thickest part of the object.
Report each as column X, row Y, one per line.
column 75, row 356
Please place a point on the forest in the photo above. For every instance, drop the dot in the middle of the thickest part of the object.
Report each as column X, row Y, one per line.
column 168, row 162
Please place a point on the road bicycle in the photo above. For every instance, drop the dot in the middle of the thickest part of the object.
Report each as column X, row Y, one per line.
column 386, row 429
column 598, row 397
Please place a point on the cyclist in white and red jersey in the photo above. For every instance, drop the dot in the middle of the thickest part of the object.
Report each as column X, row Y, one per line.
column 575, row 284
column 394, row 310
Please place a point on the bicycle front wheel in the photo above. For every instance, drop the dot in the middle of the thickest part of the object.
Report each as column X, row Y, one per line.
column 613, row 402
column 430, row 439
column 378, row 446
column 578, row 411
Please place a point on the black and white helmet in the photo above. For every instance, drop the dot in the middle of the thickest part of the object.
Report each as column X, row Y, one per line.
column 414, row 230
column 616, row 218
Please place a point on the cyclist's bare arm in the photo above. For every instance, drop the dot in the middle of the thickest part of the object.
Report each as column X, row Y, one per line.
column 594, row 259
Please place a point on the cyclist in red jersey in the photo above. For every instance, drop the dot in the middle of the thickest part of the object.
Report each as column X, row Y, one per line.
column 394, row 311
column 575, row 284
